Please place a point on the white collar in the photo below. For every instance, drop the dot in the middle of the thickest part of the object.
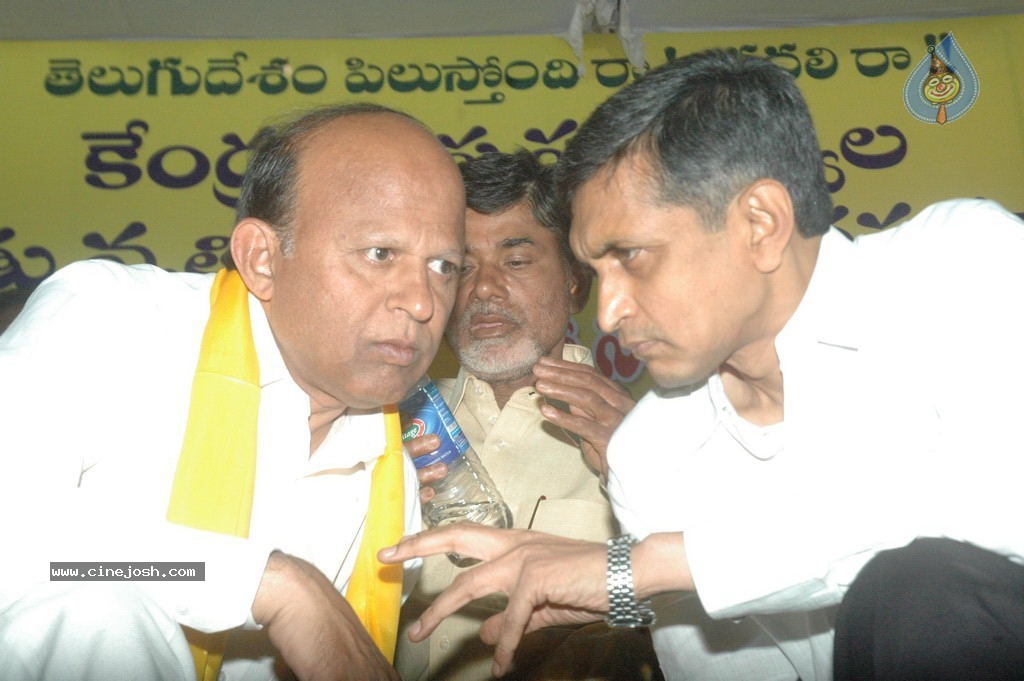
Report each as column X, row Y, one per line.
column 828, row 313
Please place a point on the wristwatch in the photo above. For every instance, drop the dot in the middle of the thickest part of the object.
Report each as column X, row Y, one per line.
column 624, row 611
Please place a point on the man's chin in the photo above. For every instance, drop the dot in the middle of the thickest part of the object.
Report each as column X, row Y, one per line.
column 491, row 370
column 671, row 381
column 501, row 359
column 390, row 388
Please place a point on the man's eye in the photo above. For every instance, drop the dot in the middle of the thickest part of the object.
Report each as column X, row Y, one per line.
column 626, row 254
column 445, row 267
column 378, row 254
column 517, row 263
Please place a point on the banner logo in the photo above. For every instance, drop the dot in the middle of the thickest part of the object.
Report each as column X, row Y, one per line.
column 943, row 86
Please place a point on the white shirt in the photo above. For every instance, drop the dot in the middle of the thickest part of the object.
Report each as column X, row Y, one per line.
column 96, row 374
column 902, row 370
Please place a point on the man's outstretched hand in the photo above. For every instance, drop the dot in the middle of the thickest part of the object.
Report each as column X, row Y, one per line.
column 549, row 581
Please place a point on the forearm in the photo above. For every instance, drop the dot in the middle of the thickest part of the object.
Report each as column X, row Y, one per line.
column 660, row 565
column 273, row 588
column 312, row 625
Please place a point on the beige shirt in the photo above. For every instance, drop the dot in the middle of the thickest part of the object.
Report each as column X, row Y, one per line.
column 540, row 472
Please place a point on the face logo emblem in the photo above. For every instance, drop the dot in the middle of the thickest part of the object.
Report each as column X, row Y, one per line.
column 943, row 86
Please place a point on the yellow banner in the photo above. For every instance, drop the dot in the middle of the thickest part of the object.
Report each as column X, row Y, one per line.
column 134, row 150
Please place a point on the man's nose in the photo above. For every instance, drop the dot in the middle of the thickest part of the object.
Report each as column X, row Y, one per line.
column 413, row 294
column 488, row 283
column 613, row 305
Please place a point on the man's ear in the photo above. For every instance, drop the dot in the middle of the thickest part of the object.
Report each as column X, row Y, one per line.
column 254, row 245
column 580, row 278
column 766, row 210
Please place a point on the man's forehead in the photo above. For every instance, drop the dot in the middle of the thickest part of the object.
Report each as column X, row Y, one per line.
column 377, row 162
column 509, row 228
column 592, row 221
column 607, row 208
column 374, row 145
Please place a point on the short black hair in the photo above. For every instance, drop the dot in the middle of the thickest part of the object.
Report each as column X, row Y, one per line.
column 708, row 125
column 496, row 182
column 268, row 188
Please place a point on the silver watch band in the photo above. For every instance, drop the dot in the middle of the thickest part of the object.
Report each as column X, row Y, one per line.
column 624, row 610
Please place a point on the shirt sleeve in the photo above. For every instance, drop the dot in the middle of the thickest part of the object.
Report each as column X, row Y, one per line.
column 916, row 437
column 946, row 332
column 86, row 462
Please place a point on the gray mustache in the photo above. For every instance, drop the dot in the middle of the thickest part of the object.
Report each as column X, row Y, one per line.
column 481, row 307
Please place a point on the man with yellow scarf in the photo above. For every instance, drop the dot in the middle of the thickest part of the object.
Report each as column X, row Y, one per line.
column 233, row 420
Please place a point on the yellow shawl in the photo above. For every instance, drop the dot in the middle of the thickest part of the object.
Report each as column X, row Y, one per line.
column 214, row 481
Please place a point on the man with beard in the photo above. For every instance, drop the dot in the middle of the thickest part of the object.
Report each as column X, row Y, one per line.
column 518, row 287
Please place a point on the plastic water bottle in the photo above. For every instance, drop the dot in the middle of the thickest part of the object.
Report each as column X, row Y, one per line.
column 466, row 493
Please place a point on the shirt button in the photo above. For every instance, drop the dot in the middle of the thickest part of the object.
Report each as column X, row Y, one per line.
column 445, row 644
column 493, row 419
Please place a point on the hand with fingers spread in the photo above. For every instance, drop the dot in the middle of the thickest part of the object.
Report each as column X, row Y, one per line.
column 596, row 405
column 549, row 581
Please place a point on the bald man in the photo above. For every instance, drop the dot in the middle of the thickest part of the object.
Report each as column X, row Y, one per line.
column 348, row 242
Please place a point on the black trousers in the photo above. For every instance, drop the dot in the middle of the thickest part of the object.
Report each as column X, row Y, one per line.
column 934, row 610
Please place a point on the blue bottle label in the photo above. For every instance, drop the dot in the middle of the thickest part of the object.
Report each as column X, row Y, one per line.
column 425, row 412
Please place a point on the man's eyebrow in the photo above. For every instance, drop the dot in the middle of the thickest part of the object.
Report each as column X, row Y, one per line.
column 603, row 250
column 512, row 242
